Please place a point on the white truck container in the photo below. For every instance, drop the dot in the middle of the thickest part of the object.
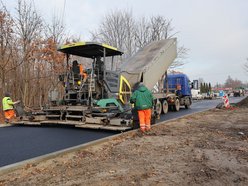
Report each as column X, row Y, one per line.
column 196, row 95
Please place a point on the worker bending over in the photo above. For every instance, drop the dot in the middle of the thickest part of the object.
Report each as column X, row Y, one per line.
column 143, row 102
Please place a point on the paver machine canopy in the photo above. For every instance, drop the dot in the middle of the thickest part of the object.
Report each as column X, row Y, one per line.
column 89, row 49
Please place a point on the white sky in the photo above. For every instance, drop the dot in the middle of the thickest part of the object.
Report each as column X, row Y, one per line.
column 215, row 31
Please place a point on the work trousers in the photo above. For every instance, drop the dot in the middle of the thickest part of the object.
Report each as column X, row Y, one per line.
column 9, row 114
column 145, row 119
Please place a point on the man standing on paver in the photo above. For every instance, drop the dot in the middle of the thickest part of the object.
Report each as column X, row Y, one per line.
column 143, row 102
column 8, row 107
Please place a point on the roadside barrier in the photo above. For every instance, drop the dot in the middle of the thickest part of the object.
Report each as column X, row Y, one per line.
column 226, row 101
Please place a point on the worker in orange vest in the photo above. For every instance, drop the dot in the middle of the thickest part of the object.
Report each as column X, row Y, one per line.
column 82, row 72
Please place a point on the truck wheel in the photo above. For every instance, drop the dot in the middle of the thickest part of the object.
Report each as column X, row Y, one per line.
column 188, row 103
column 159, row 107
column 176, row 107
column 165, row 106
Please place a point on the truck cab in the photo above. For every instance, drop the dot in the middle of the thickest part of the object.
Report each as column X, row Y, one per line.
column 179, row 85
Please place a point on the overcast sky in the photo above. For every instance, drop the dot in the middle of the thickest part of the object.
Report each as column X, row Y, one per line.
column 215, row 31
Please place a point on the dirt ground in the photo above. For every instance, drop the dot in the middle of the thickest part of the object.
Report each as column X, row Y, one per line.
column 208, row 148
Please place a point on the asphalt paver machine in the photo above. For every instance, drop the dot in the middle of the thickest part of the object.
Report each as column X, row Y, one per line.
column 93, row 98
column 98, row 98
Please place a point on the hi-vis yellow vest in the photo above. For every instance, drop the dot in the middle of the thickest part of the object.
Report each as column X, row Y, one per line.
column 7, row 103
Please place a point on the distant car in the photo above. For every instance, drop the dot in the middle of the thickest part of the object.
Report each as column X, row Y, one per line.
column 238, row 93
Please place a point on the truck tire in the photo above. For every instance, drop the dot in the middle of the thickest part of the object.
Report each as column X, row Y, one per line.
column 188, row 103
column 159, row 107
column 176, row 106
column 165, row 106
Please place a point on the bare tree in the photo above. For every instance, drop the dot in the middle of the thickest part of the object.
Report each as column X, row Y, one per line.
column 155, row 29
column 29, row 61
column 117, row 29
column 55, row 35
column 182, row 53
column 28, row 29
column 129, row 41
column 142, row 33
column 161, row 28
column 56, row 30
column 7, row 48
column 231, row 83
column 121, row 30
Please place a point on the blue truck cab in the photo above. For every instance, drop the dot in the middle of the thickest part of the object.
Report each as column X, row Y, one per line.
column 179, row 84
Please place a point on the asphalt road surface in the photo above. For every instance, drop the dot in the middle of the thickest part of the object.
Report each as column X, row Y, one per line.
column 19, row 143
column 197, row 106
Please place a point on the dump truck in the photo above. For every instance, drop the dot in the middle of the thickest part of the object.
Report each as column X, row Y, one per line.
column 100, row 99
column 150, row 66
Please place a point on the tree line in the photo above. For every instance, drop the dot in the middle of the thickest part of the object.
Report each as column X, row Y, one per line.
column 30, row 63
column 205, row 88
column 229, row 83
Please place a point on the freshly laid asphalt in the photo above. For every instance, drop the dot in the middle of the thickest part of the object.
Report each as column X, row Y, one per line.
column 19, row 143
